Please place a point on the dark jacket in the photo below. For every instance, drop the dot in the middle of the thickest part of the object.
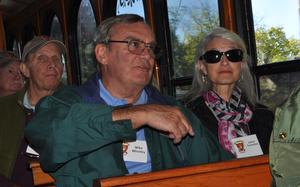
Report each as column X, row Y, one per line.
column 12, row 124
column 14, row 166
column 260, row 124
column 79, row 142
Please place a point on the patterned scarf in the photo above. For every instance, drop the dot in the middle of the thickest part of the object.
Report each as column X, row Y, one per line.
column 232, row 116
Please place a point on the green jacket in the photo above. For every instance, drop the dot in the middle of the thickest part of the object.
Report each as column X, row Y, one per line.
column 285, row 143
column 79, row 142
column 12, row 122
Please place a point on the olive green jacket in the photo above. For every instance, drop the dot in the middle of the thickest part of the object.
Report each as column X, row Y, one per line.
column 12, row 122
column 285, row 143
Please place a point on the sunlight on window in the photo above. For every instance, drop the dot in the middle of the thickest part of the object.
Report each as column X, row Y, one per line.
column 277, row 36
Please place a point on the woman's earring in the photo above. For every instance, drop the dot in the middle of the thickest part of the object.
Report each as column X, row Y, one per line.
column 204, row 78
column 241, row 78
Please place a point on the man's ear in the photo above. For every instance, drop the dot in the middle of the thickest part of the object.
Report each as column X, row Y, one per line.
column 24, row 69
column 101, row 52
column 201, row 67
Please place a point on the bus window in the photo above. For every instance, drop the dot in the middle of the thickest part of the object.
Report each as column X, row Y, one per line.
column 189, row 20
column 56, row 31
column 17, row 48
column 86, row 27
column 276, row 88
column 57, row 34
column 133, row 7
column 277, row 40
column 277, row 37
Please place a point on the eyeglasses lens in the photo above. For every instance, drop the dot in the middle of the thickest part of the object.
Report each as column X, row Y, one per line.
column 234, row 55
column 137, row 47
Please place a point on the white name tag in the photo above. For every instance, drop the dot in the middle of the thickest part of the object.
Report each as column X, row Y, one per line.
column 246, row 146
column 31, row 151
column 135, row 151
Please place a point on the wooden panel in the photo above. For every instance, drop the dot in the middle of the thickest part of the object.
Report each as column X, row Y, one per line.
column 229, row 15
column 2, row 34
column 242, row 172
column 39, row 177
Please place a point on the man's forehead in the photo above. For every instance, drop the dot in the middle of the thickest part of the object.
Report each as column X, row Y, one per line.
column 53, row 47
column 138, row 30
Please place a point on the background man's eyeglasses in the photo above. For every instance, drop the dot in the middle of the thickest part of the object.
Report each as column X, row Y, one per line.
column 214, row 56
column 137, row 47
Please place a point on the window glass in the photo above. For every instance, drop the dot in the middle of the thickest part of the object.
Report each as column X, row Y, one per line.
column 277, row 30
column 181, row 90
column 276, row 88
column 56, row 31
column 86, row 27
column 189, row 20
column 17, row 48
column 130, row 6
column 57, row 34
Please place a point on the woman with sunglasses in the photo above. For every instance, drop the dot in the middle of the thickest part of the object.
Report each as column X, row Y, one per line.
column 223, row 93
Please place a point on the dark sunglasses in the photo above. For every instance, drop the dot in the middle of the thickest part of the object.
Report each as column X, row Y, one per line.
column 214, row 56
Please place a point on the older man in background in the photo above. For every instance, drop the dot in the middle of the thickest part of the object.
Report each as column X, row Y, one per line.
column 11, row 79
column 43, row 67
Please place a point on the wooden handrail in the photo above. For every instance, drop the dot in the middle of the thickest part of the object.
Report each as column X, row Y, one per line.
column 241, row 172
column 39, row 177
column 245, row 172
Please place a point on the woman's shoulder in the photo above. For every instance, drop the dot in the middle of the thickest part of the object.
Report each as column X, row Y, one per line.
column 195, row 103
column 262, row 108
column 263, row 113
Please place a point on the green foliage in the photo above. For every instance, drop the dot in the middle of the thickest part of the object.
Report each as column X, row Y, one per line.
column 200, row 21
column 273, row 46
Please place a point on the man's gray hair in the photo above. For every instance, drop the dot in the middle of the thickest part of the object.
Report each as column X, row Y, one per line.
column 246, row 82
column 104, row 30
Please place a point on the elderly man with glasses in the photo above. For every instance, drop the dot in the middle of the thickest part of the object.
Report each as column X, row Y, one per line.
column 117, row 123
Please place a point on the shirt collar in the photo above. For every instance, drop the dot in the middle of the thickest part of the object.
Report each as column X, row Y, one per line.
column 113, row 101
column 26, row 102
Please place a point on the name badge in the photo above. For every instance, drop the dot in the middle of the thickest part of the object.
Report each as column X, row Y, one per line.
column 135, row 151
column 31, row 151
column 246, row 146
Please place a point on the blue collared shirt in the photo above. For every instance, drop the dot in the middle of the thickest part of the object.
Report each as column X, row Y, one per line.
column 132, row 167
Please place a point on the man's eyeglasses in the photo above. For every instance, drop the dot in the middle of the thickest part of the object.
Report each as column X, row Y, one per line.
column 137, row 47
column 214, row 56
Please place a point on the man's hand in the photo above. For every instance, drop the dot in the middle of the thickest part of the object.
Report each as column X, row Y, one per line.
column 166, row 118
